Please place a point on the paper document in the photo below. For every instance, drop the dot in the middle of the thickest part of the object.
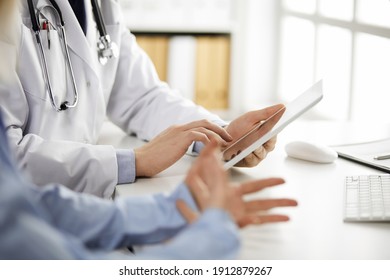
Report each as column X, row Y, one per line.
column 365, row 153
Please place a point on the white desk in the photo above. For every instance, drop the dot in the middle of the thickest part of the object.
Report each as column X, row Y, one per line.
column 316, row 229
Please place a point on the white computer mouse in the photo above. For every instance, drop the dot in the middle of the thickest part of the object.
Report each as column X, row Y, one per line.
column 311, row 152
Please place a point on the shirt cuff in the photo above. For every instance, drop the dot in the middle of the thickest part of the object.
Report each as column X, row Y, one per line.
column 198, row 147
column 126, row 166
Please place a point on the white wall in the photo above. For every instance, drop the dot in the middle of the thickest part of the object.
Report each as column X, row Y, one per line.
column 255, row 52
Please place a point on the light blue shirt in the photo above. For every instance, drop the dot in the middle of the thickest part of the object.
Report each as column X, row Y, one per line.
column 56, row 223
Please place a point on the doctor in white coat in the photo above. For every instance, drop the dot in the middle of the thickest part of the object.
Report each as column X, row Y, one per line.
column 60, row 147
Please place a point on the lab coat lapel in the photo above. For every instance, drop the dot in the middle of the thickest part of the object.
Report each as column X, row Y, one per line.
column 77, row 41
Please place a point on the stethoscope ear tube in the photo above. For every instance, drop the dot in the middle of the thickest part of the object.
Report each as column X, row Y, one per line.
column 55, row 5
column 34, row 20
column 99, row 19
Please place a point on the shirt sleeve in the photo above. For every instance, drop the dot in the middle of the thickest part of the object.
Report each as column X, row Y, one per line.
column 126, row 166
column 106, row 225
column 26, row 235
column 213, row 236
column 56, row 223
column 150, row 220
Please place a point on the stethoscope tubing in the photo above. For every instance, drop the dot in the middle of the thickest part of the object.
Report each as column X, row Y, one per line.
column 106, row 48
column 99, row 19
column 45, row 69
column 76, row 93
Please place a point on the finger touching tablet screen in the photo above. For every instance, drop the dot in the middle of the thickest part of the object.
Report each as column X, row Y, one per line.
column 269, row 128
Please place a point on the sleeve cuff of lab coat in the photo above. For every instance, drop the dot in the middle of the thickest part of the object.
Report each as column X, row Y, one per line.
column 126, row 166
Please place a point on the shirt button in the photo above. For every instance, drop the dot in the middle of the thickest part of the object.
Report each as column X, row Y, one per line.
column 88, row 84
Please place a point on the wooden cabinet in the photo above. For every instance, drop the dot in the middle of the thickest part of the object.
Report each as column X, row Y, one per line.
column 212, row 73
column 157, row 49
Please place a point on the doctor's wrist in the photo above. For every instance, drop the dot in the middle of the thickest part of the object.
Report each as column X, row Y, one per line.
column 143, row 164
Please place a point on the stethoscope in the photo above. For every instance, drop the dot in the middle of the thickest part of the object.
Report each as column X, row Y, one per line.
column 106, row 48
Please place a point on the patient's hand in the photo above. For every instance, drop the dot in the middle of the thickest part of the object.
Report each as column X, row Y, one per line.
column 208, row 183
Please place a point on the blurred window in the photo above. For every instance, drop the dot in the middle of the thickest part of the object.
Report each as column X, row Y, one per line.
column 346, row 43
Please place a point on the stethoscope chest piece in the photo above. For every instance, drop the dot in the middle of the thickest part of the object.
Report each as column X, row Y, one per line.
column 106, row 49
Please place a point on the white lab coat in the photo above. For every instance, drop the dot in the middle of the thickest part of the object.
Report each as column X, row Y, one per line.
column 60, row 147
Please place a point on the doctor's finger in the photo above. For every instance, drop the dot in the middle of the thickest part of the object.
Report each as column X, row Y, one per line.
column 263, row 114
column 270, row 144
column 261, row 205
column 254, row 158
column 194, row 136
column 258, row 155
column 210, row 126
column 211, row 135
column 258, row 185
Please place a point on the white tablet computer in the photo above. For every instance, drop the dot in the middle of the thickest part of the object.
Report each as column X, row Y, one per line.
column 272, row 126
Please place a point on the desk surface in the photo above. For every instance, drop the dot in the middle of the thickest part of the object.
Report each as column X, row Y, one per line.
column 316, row 229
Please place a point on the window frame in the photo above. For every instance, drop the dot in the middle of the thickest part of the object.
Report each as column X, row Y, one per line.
column 317, row 19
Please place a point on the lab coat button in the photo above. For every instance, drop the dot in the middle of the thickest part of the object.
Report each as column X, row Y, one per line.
column 88, row 84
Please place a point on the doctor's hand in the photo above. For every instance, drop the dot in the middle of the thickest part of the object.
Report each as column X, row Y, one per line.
column 172, row 144
column 245, row 123
column 208, row 183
